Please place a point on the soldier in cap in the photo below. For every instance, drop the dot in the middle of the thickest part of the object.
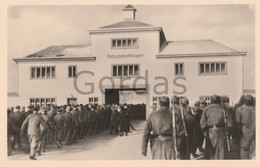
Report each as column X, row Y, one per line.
column 17, row 118
column 69, row 126
column 184, row 124
column 60, row 123
column 203, row 104
column 33, row 122
column 158, row 130
column 51, row 113
column 198, row 136
column 75, row 120
column 113, row 120
column 44, row 132
column 213, row 128
column 245, row 122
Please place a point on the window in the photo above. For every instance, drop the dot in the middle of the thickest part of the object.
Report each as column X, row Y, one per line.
column 125, row 70
column 206, row 98
column 42, row 72
column 93, row 100
column 179, row 69
column 155, row 101
column 212, row 68
column 125, row 43
column 72, row 70
column 42, row 101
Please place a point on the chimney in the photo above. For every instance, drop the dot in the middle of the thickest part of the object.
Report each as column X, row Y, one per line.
column 129, row 12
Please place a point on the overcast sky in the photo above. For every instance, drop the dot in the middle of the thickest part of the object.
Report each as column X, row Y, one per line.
column 32, row 28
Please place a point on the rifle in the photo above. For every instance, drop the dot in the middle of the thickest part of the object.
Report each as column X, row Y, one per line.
column 226, row 126
column 174, row 133
column 185, row 130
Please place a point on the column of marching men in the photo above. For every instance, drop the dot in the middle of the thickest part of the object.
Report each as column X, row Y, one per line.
column 215, row 131
column 64, row 125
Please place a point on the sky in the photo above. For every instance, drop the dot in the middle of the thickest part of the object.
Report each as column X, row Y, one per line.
column 32, row 28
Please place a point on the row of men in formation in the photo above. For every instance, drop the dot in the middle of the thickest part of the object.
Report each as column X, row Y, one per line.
column 177, row 131
column 64, row 125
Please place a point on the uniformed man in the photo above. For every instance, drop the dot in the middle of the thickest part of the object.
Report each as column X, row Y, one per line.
column 51, row 113
column 17, row 118
column 113, row 120
column 245, row 122
column 203, row 104
column 11, row 130
column 44, row 132
column 60, row 123
column 213, row 128
column 158, row 131
column 33, row 122
column 69, row 126
column 184, row 124
column 75, row 120
column 198, row 136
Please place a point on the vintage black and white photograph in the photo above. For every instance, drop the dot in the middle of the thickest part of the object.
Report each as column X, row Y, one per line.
column 131, row 82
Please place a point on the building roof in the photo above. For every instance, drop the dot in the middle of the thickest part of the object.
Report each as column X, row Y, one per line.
column 127, row 24
column 60, row 52
column 129, row 7
column 195, row 47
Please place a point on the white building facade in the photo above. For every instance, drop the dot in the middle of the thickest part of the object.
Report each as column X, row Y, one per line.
column 130, row 62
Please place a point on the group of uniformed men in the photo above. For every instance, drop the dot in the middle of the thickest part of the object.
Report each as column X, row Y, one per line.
column 63, row 125
column 178, row 131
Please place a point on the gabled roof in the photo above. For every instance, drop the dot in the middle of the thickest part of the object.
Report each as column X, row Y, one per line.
column 127, row 24
column 195, row 47
column 60, row 52
column 129, row 7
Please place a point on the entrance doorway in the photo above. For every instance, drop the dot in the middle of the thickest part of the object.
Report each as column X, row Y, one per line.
column 71, row 101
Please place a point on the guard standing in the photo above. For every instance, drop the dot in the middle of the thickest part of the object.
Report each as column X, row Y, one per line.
column 158, row 130
column 213, row 128
column 245, row 122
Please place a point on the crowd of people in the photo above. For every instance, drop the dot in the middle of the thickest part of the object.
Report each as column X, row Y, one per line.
column 64, row 125
column 216, row 130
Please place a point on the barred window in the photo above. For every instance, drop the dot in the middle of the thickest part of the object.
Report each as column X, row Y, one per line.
column 212, row 68
column 125, row 70
column 72, row 70
column 42, row 72
column 125, row 43
column 42, row 101
column 179, row 68
column 93, row 100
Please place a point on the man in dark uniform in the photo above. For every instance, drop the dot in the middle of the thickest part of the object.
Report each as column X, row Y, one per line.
column 75, row 120
column 213, row 128
column 11, row 130
column 17, row 118
column 113, row 120
column 60, row 124
column 33, row 122
column 51, row 113
column 198, row 136
column 69, row 126
column 184, row 140
column 45, row 133
column 245, row 122
column 158, row 130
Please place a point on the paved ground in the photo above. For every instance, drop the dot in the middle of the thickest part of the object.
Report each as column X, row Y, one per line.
column 98, row 147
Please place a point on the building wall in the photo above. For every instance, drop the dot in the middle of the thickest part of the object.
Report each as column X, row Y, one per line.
column 151, row 67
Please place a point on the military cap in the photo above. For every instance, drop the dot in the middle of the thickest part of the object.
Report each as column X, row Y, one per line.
column 184, row 101
column 23, row 107
column 174, row 99
column 203, row 102
column 225, row 99
column 216, row 99
column 36, row 108
column 197, row 103
column 59, row 110
column 249, row 97
column 17, row 107
column 164, row 101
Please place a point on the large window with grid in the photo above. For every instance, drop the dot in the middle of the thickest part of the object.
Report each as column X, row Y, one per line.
column 212, row 68
column 43, row 72
column 155, row 101
column 124, row 43
column 42, row 101
column 126, row 70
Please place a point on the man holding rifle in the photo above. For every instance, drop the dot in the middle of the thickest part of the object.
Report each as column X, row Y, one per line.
column 215, row 122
